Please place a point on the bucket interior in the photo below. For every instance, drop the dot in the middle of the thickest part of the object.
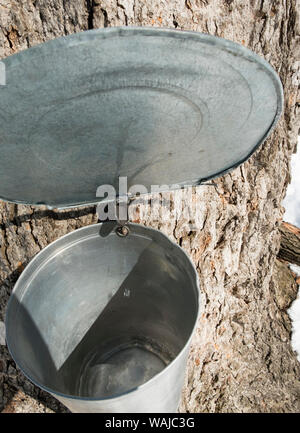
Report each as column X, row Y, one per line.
column 95, row 315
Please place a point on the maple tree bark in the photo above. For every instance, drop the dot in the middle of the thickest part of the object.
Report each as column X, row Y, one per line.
column 241, row 359
column 290, row 243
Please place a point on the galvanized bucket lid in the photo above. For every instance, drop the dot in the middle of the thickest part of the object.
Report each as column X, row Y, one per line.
column 159, row 106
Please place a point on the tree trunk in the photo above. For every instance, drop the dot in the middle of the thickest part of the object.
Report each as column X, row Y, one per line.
column 241, row 358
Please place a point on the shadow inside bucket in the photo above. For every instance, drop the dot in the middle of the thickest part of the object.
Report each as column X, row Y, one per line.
column 131, row 340
column 138, row 332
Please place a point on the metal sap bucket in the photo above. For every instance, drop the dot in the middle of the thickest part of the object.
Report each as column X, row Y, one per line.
column 104, row 323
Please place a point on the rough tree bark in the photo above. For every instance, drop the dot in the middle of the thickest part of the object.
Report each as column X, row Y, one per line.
column 241, row 358
column 290, row 243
